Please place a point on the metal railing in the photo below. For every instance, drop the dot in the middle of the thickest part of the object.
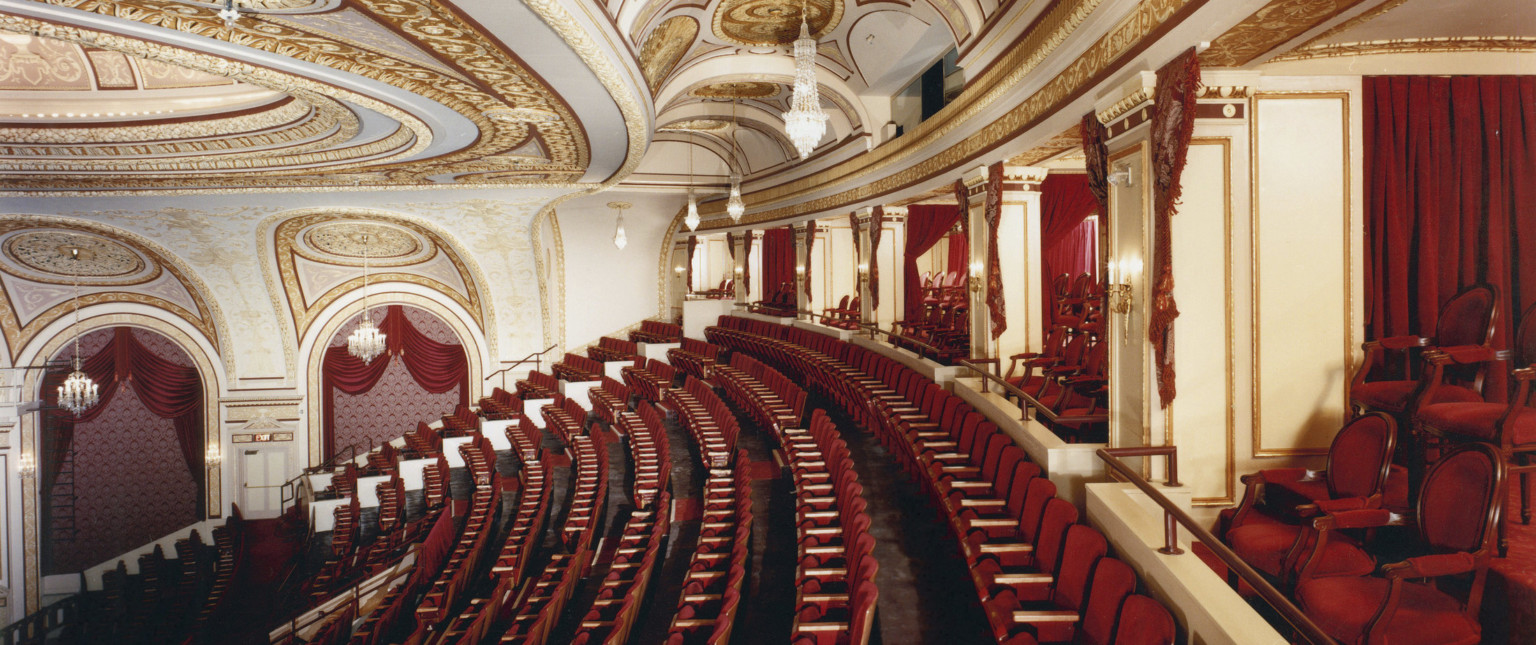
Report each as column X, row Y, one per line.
column 35, row 627
column 922, row 348
column 289, row 490
column 1174, row 516
column 536, row 357
column 1029, row 402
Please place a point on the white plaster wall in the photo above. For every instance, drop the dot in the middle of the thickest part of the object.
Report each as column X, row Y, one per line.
column 608, row 289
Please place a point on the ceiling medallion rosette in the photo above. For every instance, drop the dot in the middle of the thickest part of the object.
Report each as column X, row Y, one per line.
column 773, row 22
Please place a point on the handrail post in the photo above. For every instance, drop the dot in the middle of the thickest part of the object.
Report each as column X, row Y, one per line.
column 1170, row 535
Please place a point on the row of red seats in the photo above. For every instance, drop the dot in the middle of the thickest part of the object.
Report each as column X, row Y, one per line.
column 648, row 382
column 656, row 331
column 463, row 561
column 169, row 598
column 608, row 399
column 944, row 330
column 542, row 599
column 527, row 442
column 565, row 418
column 527, row 525
column 622, row 593
column 481, row 461
column 609, row 349
column 462, row 422
column 1009, row 524
column 577, row 369
column 1067, row 382
column 336, row 630
column 650, row 452
column 835, row 593
column 706, row 612
column 846, row 315
column 772, row 400
column 782, row 302
column 694, row 357
column 708, row 419
column 501, row 404
column 538, row 385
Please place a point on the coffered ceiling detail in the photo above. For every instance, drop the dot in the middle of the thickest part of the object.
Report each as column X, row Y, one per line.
column 773, row 22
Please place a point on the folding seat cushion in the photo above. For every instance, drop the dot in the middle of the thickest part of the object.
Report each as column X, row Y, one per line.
column 1113, row 581
column 1144, row 621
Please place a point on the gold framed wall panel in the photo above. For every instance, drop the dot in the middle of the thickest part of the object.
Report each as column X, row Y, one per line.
column 1126, row 325
column 1346, row 241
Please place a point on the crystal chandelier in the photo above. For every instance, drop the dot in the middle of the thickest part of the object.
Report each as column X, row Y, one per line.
column 229, row 14
column 78, row 391
column 734, row 206
column 805, row 122
column 366, row 342
column 619, row 238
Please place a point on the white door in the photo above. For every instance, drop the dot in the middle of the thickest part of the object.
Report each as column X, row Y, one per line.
column 261, row 493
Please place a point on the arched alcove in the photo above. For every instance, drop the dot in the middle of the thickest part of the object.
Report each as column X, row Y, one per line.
column 130, row 468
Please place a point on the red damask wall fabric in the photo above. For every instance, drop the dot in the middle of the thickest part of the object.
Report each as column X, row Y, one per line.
column 1173, row 124
column 1068, row 244
column 424, row 374
column 926, row 226
column 778, row 259
column 132, row 477
column 1450, row 200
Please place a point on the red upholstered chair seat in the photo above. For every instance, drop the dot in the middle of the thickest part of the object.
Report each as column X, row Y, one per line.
column 1479, row 420
column 1343, row 606
column 1264, row 547
column 1391, row 396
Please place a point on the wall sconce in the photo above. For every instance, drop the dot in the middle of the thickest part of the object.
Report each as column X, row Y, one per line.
column 213, row 458
column 800, row 269
column 678, row 271
column 975, row 277
column 863, row 272
column 1118, row 288
column 1121, row 176
column 738, row 270
column 26, row 465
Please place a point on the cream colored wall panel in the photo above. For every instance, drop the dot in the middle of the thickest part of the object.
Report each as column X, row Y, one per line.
column 1200, row 419
column 1303, row 325
column 840, row 265
column 1130, row 397
column 892, row 240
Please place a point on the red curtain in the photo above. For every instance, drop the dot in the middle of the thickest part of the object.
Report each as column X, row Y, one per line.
column 810, row 244
column 1450, row 200
column 167, row 390
column 778, row 259
column 992, row 212
column 876, row 225
column 436, row 367
column 1065, row 202
column 959, row 251
column 1172, row 126
column 926, row 225
column 963, row 201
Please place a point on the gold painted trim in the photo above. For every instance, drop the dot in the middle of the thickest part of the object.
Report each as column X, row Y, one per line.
column 1359, row 19
column 1259, row 451
column 212, row 432
column 1511, row 44
column 1230, row 324
column 1271, row 26
column 314, row 401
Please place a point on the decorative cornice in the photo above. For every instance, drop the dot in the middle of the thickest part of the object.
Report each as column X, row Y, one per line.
column 1271, row 26
column 1512, row 44
column 1125, row 105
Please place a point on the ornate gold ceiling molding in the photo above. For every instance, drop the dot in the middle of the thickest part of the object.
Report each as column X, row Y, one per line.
column 500, row 81
column 665, row 47
column 1360, row 19
column 1049, row 32
column 287, row 246
column 207, row 318
column 772, row 23
column 1512, row 44
column 738, row 90
column 280, row 114
column 1272, row 25
column 586, row 48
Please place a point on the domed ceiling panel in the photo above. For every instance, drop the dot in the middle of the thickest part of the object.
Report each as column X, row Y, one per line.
column 258, row 127
column 773, row 22
column 665, row 46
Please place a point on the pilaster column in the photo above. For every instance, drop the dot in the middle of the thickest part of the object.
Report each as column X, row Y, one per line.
column 803, row 232
column 976, row 219
column 1018, row 248
column 739, row 267
column 893, row 242
column 866, row 310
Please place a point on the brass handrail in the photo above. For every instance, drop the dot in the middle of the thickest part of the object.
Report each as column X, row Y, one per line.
column 1172, row 513
column 538, row 362
column 874, row 328
column 1028, row 400
column 289, row 489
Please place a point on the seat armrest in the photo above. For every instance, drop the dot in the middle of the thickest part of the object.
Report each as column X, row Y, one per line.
column 1432, row 566
column 1359, row 519
column 1401, row 342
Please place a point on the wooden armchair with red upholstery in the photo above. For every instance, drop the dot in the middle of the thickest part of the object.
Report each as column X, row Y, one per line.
column 1456, row 514
column 1266, row 529
column 1465, row 320
column 1508, row 427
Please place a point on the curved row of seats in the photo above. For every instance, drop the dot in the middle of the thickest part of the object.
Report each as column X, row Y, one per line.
column 694, row 357
column 168, row 598
column 650, row 381
column 707, row 418
column 1017, row 537
column 471, row 545
column 706, row 612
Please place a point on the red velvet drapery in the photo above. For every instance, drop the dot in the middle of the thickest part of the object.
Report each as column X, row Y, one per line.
column 959, row 251
column 167, row 390
column 778, row 259
column 876, row 225
column 746, row 262
column 992, row 212
column 1172, row 126
column 1065, row 202
column 810, row 245
column 436, row 367
column 1450, row 200
column 926, row 225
